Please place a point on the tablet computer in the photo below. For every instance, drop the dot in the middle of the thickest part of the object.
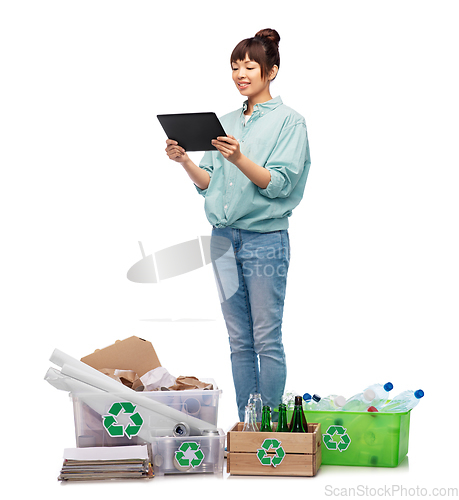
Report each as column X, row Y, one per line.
column 193, row 131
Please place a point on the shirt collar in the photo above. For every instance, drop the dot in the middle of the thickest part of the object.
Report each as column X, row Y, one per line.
column 265, row 106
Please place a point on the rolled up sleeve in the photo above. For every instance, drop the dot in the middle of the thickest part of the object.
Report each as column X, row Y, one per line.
column 287, row 161
column 206, row 164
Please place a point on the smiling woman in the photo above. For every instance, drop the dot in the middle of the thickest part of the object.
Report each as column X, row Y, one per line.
column 251, row 184
column 263, row 48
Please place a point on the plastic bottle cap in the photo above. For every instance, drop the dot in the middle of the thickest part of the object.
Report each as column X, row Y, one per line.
column 316, row 398
column 372, row 408
column 369, row 394
column 306, row 396
column 388, row 386
column 419, row 393
column 340, row 401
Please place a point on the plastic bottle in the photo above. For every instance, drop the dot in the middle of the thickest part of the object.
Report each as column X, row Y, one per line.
column 330, row 403
column 309, row 402
column 361, row 401
column 381, row 393
column 289, row 399
column 405, row 401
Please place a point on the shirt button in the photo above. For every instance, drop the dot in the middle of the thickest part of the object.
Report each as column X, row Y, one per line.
column 231, row 183
column 225, row 207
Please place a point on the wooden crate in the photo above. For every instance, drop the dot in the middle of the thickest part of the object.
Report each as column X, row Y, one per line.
column 298, row 454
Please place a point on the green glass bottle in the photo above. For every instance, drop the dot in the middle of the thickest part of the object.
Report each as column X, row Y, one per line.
column 282, row 425
column 266, row 419
column 296, row 424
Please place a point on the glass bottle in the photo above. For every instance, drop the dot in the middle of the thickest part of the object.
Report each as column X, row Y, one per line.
column 257, row 402
column 282, row 425
column 249, row 424
column 298, row 422
column 266, row 420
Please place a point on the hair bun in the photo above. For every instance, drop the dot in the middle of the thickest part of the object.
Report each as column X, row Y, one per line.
column 272, row 35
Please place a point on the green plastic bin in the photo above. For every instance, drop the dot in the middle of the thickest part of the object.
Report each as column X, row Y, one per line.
column 362, row 438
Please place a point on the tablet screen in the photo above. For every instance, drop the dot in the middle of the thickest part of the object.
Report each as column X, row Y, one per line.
column 193, row 131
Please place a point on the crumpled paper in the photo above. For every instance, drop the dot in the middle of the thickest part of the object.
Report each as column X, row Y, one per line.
column 157, row 378
column 188, row 383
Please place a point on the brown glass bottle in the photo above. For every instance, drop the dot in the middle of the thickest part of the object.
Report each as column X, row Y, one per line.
column 298, row 422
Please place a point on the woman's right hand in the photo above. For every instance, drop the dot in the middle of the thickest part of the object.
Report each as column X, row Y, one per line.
column 175, row 152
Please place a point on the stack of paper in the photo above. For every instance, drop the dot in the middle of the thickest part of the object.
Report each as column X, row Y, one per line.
column 120, row 462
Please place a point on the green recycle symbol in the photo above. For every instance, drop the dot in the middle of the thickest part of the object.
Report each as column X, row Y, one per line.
column 115, row 429
column 336, row 438
column 274, row 460
column 185, row 458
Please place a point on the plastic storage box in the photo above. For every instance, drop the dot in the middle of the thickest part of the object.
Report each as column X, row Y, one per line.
column 362, row 438
column 119, row 422
column 190, row 454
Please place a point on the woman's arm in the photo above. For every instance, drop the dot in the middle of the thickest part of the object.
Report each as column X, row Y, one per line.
column 199, row 176
column 229, row 148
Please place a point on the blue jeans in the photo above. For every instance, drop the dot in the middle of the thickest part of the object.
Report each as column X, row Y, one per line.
column 251, row 273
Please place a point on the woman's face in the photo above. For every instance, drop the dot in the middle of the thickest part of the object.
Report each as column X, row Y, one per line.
column 247, row 77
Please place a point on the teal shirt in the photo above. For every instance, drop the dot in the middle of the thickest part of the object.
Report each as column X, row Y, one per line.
column 275, row 137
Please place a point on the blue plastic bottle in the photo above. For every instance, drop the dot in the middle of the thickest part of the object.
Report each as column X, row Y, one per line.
column 381, row 393
column 405, row 401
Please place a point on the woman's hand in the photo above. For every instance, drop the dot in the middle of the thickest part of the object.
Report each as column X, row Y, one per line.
column 175, row 152
column 228, row 147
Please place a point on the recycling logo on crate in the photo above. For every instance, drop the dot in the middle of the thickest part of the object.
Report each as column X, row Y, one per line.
column 336, row 438
column 188, row 454
column 269, row 459
column 116, row 429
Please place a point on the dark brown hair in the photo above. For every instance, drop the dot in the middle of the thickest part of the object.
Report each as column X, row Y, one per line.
column 262, row 48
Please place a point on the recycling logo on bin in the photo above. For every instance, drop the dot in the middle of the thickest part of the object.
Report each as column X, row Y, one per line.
column 274, row 460
column 116, row 429
column 336, row 438
column 188, row 454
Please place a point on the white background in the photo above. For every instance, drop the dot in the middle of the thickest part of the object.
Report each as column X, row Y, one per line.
column 373, row 284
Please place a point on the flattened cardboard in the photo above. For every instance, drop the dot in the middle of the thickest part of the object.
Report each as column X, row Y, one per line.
column 132, row 353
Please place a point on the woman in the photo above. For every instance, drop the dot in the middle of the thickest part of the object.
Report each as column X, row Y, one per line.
column 251, row 183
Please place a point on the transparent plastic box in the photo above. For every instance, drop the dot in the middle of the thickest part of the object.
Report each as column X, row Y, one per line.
column 362, row 438
column 115, row 425
column 189, row 455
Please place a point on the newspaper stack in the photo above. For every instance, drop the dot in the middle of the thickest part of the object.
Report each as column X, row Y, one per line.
column 120, row 462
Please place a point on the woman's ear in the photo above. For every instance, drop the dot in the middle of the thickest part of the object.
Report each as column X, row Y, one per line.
column 273, row 72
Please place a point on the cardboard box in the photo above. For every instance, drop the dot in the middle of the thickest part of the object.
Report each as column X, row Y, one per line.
column 132, row 353
column 274, row 453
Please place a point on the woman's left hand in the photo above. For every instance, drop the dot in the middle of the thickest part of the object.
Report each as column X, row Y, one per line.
column 228, row 147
